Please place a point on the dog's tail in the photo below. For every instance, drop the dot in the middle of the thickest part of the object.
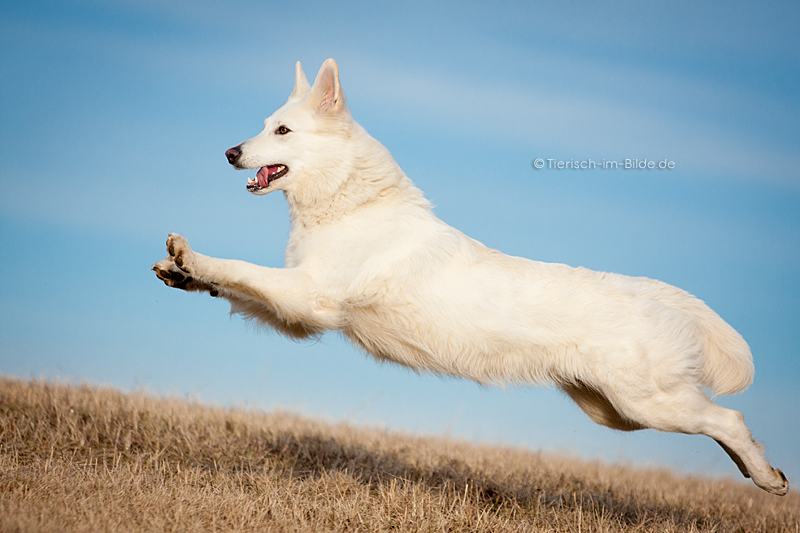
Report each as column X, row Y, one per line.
column 727, row 363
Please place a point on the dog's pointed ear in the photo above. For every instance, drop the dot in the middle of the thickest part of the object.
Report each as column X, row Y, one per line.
column 326, row 94
column 301, row 86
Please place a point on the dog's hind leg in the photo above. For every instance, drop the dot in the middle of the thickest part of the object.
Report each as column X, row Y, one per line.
column 735, row 458
column 727, row 427
column 691, row 411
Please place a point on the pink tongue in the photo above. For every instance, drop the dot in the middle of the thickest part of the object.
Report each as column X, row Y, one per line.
column 263, row 175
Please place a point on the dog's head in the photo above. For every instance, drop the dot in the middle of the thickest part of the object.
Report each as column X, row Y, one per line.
column 301, row 149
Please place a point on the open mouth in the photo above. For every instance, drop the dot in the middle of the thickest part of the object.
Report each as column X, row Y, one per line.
column 265, row 176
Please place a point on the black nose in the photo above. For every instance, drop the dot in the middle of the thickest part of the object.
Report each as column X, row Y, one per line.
column 233, row 154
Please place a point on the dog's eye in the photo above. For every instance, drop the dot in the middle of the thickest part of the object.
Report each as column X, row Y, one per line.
column 282, row 130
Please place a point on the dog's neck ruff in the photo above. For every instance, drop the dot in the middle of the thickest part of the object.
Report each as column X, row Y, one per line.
column 371, row 174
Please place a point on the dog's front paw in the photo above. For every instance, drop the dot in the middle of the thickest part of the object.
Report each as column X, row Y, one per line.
column 177, row 269
column 180, row 253
column 171, row 274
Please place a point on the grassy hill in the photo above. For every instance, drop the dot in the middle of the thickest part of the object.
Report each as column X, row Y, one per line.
column 80, row 458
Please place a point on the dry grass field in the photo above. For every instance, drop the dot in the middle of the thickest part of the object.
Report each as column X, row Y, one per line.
column 80, row 458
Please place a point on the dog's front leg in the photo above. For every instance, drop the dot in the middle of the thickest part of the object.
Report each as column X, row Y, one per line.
column 279, row 296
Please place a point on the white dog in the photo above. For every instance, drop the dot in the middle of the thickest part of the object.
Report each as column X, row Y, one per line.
column 367, row 257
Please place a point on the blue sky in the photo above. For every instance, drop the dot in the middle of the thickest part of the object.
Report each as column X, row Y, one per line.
column 115, row 117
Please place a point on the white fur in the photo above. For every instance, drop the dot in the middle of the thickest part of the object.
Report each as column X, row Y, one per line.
column 367, row 257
